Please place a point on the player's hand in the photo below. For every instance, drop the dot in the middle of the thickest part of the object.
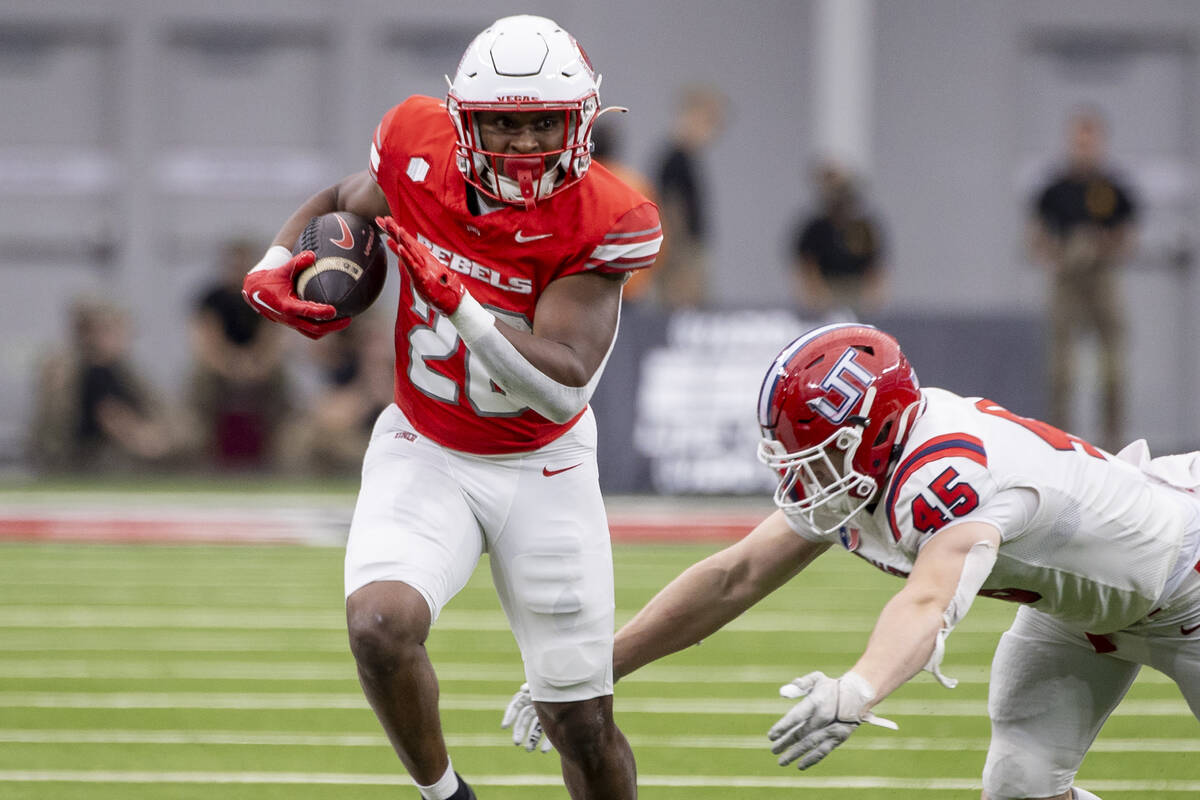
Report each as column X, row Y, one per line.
column 831, row 710
column 272, row 293
column 522, row 717
column 438, row 284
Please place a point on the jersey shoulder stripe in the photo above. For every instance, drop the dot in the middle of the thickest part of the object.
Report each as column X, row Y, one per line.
column 950, row 445
column 632, row 243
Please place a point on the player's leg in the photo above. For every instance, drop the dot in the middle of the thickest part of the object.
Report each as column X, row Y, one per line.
column 1049, row 694
column 552, row 565
column 388, row 622
column 597, row 760
column 413, row 545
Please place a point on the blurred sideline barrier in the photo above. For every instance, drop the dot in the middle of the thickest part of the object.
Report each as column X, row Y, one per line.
column 247, row 518
column 677, row 406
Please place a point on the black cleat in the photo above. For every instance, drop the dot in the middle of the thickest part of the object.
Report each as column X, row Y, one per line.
column 464, row 791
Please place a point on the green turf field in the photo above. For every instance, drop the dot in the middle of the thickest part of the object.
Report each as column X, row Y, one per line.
column 222, row 672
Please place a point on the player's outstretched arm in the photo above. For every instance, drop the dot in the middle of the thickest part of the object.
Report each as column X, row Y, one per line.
column 948, row 572
column 908, row 636
column 711, row 593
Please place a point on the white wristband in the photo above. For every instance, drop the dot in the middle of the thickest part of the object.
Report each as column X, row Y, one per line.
column 854, row 693
column 471, row 319
column 275, row 257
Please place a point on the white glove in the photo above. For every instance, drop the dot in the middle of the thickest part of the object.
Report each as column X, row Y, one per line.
column 522, row 716
column 828, row 714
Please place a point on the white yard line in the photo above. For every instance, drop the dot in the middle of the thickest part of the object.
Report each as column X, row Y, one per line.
column 19, row 617
column 475, row 702
column 501, row 740
column 698, row 781
column 502, row 673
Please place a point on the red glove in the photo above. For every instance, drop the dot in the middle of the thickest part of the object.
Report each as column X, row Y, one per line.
column 272, row 293
column 441, row 286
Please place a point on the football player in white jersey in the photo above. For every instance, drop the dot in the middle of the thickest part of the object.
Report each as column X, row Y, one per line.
column 961, row 498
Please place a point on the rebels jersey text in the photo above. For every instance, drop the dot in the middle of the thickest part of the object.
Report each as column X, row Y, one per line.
column 506, row 257
column 1094, row 545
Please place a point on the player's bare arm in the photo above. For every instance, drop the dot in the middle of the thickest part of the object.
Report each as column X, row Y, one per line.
column 947, row 573
column 573, row 329
column 357, row 193
column 713, row 592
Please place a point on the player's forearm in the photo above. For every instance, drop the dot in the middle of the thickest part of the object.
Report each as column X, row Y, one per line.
column 902, row 641
column 323, row 202
column 713, row 592
column 520, row 379
column 357, row 193
column 548, row 376
column 555, row 360
column 695, row 605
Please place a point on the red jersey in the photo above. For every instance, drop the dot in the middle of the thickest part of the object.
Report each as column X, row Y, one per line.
column 506, row 257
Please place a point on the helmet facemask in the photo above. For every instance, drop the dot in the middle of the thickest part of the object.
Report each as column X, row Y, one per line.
column 518, row 65
column 820, row 484
column 524, row 179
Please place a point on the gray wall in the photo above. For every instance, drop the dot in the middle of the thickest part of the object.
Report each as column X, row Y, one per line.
column 135, row 137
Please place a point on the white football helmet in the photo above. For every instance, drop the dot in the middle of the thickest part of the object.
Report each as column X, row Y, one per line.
column 524, row 63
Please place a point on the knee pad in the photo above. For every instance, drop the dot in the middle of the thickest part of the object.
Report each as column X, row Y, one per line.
column 572, row 670
column 1020, row 775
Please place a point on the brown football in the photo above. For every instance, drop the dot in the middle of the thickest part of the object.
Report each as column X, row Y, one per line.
column 351, row 264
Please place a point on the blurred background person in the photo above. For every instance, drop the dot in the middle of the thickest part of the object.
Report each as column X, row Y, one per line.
column 1082, row 229
column 837, row 251
column 680, row 275
column 239, row 390
column 93, row 410
column 355, row 370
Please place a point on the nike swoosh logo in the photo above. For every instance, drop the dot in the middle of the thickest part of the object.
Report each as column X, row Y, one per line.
column 522, row 238
column 550, row 473
column 264, row 304
column 1189, row 631
column 347, row 240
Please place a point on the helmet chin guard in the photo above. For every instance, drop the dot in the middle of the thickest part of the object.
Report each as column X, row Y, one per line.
column 522, row 64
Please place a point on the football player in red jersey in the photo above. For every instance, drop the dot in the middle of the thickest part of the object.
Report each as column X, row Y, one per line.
column 960, row 497
column 513, row 249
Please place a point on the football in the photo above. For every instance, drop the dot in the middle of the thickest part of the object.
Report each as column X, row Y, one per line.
column 351, row 264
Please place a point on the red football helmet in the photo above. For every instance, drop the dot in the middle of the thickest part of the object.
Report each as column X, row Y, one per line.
column 829, row 392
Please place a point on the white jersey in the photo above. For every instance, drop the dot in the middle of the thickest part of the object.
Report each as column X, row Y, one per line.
column 1085, row 537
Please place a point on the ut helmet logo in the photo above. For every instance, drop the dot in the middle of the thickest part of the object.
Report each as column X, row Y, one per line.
column 838, row 383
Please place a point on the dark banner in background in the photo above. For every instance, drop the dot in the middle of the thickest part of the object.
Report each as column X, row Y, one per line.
column 678, row 402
